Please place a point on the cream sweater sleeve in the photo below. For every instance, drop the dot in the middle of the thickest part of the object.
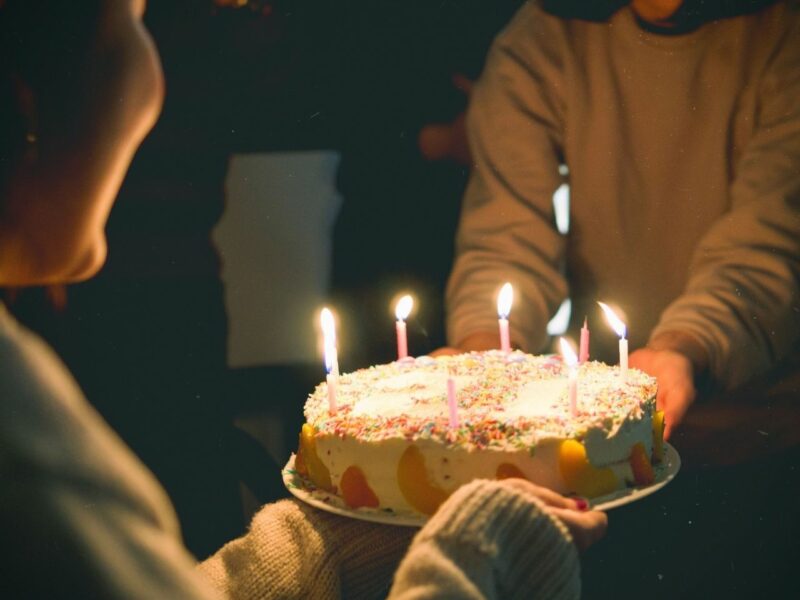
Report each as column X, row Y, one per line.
column 489, row 542
column 484, row 542
column 507, row 230
column 295, row 551
column 742, row 300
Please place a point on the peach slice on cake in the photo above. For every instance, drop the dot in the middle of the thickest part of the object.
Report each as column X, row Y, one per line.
column 643, row 473
column 308, row 463
column 355, row 489
column 414, row 483
column 658, row 436
column 580, row 476
column 508, row 471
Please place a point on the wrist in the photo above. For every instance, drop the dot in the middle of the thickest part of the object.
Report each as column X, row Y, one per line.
column 486, row 523
column 684, row 344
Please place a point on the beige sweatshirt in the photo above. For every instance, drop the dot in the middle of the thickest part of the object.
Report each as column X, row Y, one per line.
column 81, row 517
column 684, row 171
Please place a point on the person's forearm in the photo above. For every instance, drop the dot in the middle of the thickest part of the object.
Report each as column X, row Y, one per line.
column 489, row 542
column 740, row 301
column 507, row 229
column 685, row 344
column 296, row 551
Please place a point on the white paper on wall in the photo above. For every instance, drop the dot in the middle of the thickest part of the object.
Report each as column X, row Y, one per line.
column 274, row 239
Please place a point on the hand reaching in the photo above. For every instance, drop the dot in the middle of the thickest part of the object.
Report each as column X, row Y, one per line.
column 585, row 526
column 675, row 374
column 448, row 141
column 482, row 340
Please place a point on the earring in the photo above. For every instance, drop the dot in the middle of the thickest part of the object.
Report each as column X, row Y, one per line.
column 26, row 103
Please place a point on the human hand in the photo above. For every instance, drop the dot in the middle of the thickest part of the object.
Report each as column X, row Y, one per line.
column 585, row 526
column 476, row 342
column 675, row 374
column 441, row 141
column 446, row 351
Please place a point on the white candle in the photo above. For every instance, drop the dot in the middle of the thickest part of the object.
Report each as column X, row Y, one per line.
column 621, row 330
column 331, row 356
column 504, row 301
column 401, row 311
column 572, row 362
column 451, row 402
column 332, row 384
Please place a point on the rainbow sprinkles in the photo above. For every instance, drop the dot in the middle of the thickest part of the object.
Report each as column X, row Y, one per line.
column 389, row 443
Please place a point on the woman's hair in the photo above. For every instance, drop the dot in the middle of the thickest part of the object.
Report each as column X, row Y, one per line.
column 40, row 41
column 12, row 122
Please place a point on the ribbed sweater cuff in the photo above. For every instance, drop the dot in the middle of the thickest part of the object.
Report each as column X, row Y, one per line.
column 531, row 550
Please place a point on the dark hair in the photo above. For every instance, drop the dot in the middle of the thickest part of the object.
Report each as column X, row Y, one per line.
column 585, row 10
column 27, row 66
column 690, row 13
column 12, row 123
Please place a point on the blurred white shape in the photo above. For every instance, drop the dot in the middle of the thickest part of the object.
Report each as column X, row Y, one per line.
column 560, row 321
column 274, row 239
column 561, row 208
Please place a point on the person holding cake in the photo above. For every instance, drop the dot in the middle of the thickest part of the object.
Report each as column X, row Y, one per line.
column 81, row 516
column 679, row 127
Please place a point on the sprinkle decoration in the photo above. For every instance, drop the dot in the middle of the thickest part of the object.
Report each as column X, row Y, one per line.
column 488, row 383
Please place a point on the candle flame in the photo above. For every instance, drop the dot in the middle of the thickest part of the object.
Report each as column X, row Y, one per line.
column 403, row 308
column 328, row 336
column 616, row 323
column 504, row 301
column 568, row 353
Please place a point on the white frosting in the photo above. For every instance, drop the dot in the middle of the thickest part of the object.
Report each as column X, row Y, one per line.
column 420, row 393
column 543, row 398
column 513, row 410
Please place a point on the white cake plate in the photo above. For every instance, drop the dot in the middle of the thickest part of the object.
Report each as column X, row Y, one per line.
column 304, row 490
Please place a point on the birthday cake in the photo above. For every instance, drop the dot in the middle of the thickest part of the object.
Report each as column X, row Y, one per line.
column 395, row 442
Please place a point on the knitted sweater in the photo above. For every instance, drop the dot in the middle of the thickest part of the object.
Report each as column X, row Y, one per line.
column 684, row 171
column 82, row 518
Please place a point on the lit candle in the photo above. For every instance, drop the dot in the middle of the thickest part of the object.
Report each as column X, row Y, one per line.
column 451, row 402
column 331, row 357
column 619, row 327
column 572, row 362
column 504, row 301
column 401, row 311
column 584, row 348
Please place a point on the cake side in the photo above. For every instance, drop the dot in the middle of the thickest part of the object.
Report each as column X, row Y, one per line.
column 390, row 443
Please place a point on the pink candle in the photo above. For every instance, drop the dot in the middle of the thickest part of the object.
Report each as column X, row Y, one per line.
column 572, row 362
column 505, row 336
column 504, row 301
column 402, row 340
column 451, row 402
column 573, row 391
column 401, row 311
column 584, row 347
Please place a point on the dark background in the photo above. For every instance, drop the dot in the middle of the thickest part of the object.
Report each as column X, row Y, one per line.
column 146, row 338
